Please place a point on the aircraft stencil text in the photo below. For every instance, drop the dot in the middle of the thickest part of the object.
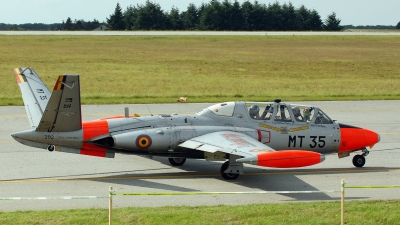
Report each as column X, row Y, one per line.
column 298, row 139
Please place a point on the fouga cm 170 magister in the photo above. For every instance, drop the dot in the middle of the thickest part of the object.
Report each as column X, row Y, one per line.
column 267, row 134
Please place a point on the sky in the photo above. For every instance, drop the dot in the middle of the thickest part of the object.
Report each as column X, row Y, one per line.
column 350, row 12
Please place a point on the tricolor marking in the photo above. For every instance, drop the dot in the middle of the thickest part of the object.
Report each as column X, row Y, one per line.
column 143, row 141
column 59, row 84
column 18, row 76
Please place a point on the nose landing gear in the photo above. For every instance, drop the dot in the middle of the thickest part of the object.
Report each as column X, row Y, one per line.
column 359, row 160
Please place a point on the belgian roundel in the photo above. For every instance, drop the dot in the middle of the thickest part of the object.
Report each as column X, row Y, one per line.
column 143, row 141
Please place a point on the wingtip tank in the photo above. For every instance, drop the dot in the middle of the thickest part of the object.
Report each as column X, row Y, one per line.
column 285, row 159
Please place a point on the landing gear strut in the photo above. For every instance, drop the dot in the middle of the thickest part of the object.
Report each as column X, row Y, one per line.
column 359, row 160
column 228, row 176
column 177, row 161
column 231, row 169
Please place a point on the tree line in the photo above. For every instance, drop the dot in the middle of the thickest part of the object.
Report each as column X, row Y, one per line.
column 80, row 24
column 221, row 16
column 30, row 26
column 381, row 27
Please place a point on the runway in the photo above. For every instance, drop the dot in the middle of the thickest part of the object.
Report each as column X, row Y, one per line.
column 28, row 172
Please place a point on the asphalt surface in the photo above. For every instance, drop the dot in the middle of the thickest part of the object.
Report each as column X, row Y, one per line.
column 28, row 172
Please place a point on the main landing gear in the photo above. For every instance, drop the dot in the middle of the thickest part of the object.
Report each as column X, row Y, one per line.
column 359, row 160
column 228, row 176
column 230, row 170
column 177, row 161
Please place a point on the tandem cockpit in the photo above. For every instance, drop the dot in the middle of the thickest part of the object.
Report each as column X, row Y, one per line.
column 275, row 112
column 287, row 113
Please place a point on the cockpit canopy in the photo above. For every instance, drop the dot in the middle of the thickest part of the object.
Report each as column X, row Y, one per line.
column 286, row 113
column 223, row 109
column 276, row 112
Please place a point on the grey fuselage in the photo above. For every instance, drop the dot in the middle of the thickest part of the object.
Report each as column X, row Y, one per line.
column 280, row 126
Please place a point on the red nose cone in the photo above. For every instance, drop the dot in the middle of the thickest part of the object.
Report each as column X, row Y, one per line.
column 354, row 138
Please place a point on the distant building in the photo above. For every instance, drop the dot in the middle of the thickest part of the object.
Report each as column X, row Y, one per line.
column 101, row 28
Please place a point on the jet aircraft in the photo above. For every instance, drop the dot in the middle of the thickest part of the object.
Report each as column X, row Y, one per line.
column 268, row 134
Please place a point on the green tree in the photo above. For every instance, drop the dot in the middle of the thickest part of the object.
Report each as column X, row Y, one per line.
column 260, row 17
column 130, row 17
column 175, row 19
column 116, row 20
column 236, row 16
column 247, row 12
column 190, row 18
column 398, row 25
column 314, row 22
column 68, row 24
column 150, row 17
column 78, row 25
column 302, row 18
column 332, row 23
column 225, row 15
column 289, row 17
column 276, row 17
column 91, row 25
column 210, row 18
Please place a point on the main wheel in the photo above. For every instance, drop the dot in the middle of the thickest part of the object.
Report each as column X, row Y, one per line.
column 177, row 161
column 358, row 161
column 228, row 176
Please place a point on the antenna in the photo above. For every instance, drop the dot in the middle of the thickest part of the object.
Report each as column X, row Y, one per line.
column 126, row 112
column 149, row 110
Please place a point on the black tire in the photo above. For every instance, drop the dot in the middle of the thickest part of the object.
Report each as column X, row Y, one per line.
column 51, row 148
column 177, row 161
column 358, row 161
column 228, row 176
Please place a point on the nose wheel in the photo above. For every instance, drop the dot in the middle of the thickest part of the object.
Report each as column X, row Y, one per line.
column 358, row 161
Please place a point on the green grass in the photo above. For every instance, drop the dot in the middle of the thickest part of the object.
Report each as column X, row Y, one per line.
column 356, row 212
column 160, row 69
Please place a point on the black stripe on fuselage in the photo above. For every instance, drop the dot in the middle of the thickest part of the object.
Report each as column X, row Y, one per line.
column 341, row 125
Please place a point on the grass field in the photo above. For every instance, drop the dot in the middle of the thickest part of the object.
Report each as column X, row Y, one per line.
column 160, row 69
column 356, row 212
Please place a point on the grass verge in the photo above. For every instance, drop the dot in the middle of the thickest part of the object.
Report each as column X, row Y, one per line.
column 357, row 212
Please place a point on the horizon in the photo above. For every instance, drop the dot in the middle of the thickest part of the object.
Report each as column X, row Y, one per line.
column 356, row 12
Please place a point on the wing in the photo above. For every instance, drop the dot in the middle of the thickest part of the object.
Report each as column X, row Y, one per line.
column 228, row 142
column 34, row 93
column 251, row 150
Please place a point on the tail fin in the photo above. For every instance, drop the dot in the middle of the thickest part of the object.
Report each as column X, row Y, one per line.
column 34, row 93
column 63, row 111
